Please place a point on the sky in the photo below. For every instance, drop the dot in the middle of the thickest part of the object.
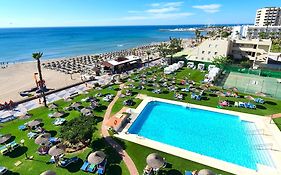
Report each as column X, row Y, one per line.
column 50, row 13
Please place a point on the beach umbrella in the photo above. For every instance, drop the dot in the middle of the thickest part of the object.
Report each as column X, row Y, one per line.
column 205, row 172
column 43, row 139
column 76, row 105
column 85, row 111
column 261, row 94
column 155, row 161
column 250, row 97
column 58, row 114
column 221, row 94
column 5, row 138
column 96, row 157
column 33, row 123
column 48, row 172
column 57, row 150
column 53, row 106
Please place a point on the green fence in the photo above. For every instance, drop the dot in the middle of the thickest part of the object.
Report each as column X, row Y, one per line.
column 260, row 72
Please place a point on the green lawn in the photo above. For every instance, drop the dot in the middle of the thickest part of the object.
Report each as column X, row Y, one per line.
column 176, row 165
column 271, row 106
column 137, row 152
column 39, row 164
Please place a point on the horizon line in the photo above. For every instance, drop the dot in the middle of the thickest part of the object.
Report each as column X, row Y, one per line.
column 21, row 27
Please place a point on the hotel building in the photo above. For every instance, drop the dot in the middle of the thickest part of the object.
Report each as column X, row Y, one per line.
column 255, row 50
column 268, row 16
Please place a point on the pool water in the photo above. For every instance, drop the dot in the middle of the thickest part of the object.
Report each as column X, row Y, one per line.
column 212, row 134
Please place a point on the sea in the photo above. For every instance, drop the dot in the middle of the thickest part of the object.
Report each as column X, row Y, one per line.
column 18, row 44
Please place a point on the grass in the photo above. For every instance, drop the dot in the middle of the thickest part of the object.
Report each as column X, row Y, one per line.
column 271, row 106
column 39, row 164
column 138, row 153
column 176, row 165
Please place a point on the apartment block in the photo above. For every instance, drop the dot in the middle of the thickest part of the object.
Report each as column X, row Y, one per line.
column 268, row 16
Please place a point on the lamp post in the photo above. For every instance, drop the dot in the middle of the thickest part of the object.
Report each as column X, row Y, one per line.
column 22, row 142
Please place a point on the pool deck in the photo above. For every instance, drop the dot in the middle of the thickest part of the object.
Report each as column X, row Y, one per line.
column 267, row 129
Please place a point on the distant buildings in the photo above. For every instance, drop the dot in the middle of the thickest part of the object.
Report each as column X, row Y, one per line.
column 267, row 25
column 250, row 31
column 255, row 50
column 268, row 16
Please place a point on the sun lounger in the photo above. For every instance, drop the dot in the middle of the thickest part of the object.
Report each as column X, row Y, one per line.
column 13, row 145
column 32, row 135
column 91, row 168
column 67, row 161
column 101, row 167
column 4, row 150
column 54, row 140
column 188, row 173
column 22, row 127
column 85, row 166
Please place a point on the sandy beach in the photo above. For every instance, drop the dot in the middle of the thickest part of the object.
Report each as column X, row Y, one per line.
column 19, row 77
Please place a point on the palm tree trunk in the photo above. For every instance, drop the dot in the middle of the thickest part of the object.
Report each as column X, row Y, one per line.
column 41, row 82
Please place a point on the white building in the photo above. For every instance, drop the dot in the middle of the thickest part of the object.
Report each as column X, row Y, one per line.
column 250, row 31
column 268, row 16
column 255, row 50
column 209, row 49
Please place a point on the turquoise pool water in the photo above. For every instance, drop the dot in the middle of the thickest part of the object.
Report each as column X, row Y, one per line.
column 216, row 135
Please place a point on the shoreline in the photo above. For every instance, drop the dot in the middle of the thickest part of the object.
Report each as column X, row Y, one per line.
column 19, row 76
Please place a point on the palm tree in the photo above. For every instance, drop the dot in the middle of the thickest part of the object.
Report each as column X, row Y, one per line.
column 163, row 50
column 37, row 57
column 197, row 34
column 148, row 52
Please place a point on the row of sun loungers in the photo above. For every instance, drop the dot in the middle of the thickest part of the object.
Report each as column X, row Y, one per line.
column 91, row 168
column 8, row 147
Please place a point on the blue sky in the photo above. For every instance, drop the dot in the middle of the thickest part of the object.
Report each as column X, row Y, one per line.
column 40, row 13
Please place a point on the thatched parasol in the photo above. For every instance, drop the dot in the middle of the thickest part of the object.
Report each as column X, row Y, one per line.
column 58, row 114
column 96, row 157
column 155, row 161
column 76, row 105
column 53, row 106
column 48, row 172
column 85, row 111
column 5, row 138
column 33, row 123
column 205, row 172
column 261, row 94
column 57, row 150
column 43, row 139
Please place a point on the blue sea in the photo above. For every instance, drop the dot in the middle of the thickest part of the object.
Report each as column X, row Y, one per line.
column 18, row 44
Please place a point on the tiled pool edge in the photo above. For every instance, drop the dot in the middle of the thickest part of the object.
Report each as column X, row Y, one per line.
column 261, row 122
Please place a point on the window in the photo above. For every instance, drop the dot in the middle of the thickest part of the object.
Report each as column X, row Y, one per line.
column 203, row 52
column 202, row 58
column 216, row 53
column 216, row 46
column 210, row 45
column 209, row 52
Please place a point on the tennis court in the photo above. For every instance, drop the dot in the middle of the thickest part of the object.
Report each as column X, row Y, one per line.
column 253, row 84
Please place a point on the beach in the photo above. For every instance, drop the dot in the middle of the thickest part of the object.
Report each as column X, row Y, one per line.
column 20, row 76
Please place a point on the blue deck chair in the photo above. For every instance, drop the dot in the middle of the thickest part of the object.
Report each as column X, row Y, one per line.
column 91, row 168
column 85, row 166
column 188, row 173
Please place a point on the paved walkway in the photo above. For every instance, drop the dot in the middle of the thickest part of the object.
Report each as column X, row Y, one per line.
column 123, row 154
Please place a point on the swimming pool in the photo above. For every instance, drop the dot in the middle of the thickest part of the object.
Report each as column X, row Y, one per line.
column 218, row 135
